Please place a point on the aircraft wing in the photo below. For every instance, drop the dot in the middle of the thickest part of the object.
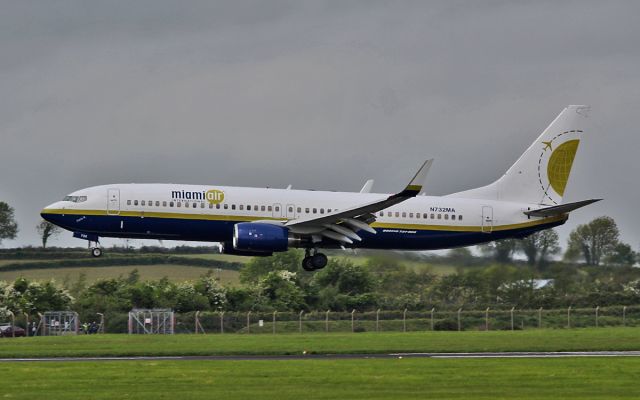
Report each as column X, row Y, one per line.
column 342, row 225
column 559, row 210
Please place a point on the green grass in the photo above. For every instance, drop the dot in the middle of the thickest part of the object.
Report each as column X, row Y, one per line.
column 590, row 339
column 567, row 378
column 175, row 273
column 218, row 257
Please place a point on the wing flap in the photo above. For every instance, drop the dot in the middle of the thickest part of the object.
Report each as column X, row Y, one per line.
column 365, row 210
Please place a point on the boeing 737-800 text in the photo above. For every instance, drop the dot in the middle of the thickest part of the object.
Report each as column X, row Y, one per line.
column 259, row 222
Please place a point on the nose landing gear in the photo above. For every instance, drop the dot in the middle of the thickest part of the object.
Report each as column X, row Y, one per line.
column 313, row 260
column 96, row 251
column 94, row 247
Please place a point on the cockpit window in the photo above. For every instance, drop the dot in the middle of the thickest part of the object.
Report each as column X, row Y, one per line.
column 75, row 199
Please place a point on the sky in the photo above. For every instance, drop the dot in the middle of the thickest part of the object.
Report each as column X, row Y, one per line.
column 320, row 95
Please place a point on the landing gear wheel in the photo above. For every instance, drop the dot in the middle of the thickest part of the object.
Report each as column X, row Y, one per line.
column 96, row 252
column 314, row 262
column 307, row 264
column 319, row 261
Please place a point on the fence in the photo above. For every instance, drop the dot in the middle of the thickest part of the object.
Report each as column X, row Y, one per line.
column 405, row 321
column 201, row 322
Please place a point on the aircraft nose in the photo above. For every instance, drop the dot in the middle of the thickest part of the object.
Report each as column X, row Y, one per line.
column 48, row 213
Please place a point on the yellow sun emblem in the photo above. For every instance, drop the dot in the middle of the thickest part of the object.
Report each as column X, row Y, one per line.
column 559, row 165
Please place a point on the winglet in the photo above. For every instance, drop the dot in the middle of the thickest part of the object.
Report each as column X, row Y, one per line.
column 415, row 186
column 367, row 186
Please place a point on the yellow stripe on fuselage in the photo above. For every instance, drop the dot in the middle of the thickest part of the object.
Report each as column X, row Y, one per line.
column 245, row 218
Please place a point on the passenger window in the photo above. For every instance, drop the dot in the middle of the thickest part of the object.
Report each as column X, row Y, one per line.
column 248, row 208
column 241, row 207
column 315, row 210
column 388, row 213
column 397, row 214
column 150, row 202
column 164, row 204
column 328, row 210
column 439, row 216
column 418, row 215
column 459, row 217
column 142, row 203
column 178, row 204
column 433, row 216
column 263, row 208
column 306, row 210
column 381, row 213
column 322, row 211
column 135, row 202
column 410, row 215
column 171, row 204
column 404, row 214
column 446, row 216
column 269, row 208
column 453, row 217
column 277, row 208
column 128, row 202
column 290, row 209
column 202, row 205
column 425, row 216
column 233, row 206
column 226, row 206
column 299, row 210
column 255, row 208
column 217, row 206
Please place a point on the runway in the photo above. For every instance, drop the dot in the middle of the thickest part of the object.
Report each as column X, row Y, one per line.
column 336, row 356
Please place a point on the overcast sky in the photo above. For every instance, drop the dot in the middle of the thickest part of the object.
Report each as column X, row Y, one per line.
column 321, row 95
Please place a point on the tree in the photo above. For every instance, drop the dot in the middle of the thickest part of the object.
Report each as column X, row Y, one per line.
column 500, row 250
column 538, row 246
column 8, row 225
column 259, row 267
column 622, row 255
column 47, row 230
column 593, row 241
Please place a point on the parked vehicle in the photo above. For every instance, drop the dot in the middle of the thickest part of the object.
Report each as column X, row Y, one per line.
column 11, row 331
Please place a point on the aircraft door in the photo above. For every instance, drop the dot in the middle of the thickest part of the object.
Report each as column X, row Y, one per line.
column 291, row 211
column 113, row 201
column 487, row 219
column 277, row 210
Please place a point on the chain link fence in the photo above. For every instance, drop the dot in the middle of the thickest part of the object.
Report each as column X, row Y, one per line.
column 254, row 322
column 404, row 320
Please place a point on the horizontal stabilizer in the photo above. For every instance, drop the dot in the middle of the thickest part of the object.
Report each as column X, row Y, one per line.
column 559, row 210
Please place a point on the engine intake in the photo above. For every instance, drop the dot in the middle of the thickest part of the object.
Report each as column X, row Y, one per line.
column 260, row 238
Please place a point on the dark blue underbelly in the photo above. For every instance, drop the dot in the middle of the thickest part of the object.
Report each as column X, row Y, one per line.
column 221, row 231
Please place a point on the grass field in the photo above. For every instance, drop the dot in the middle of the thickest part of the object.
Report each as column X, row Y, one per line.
column 567, row 378
column 590, row 339
column 218, row 257
column 176, row 273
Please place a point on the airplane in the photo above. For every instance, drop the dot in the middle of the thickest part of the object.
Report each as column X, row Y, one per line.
column 262, row 221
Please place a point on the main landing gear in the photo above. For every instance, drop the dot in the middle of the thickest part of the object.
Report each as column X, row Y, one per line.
column 313, row 260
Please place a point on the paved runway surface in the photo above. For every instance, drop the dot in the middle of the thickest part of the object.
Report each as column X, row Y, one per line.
column 341, row 356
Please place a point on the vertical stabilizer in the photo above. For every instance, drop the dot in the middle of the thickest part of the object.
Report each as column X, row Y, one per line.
column 541, row 174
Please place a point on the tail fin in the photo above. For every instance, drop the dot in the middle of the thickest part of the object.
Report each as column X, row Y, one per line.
column 541, row 174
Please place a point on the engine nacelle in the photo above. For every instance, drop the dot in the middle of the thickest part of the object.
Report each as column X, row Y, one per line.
column 260, row 238
column 227, row 248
